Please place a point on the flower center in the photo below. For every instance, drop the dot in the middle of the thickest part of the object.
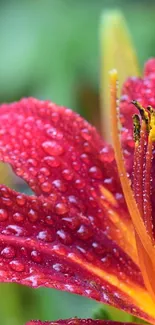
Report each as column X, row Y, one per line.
column 138, row 197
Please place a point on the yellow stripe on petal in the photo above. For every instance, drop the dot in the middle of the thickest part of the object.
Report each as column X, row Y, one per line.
column 109, row 196
column 124, row 231
column 135, row 295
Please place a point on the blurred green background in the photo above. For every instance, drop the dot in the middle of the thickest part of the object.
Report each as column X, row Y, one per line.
column 50, row 49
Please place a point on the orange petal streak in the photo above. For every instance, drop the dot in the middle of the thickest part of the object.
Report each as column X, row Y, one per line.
column 123, row 226
column 147, row 268
column 137, row 295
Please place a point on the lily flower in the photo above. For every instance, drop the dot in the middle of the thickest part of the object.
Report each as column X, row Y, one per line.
column 89, row 227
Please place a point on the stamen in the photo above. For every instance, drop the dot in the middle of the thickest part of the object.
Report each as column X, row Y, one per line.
column 128, row 194
column 138, row 169
column 147, row 189
column 137, row 127
column 143, row 113
column 142, row 166
column 152, row 126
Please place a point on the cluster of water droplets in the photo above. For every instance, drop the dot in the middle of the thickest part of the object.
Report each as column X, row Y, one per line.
column 64, row 160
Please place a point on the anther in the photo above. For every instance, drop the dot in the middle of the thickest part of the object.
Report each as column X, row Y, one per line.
column 152, row 127
column 150, row 109
column 136, row 128
column 143, row 113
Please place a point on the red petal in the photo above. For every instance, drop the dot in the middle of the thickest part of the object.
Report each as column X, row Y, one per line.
column 76, row 321
column 140, row 89
column 68, row 238
column 62, row 157
column 48, row 145
column 41, row 248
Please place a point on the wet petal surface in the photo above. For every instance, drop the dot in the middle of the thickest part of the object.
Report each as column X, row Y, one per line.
column 76, row 234
column 63, row 158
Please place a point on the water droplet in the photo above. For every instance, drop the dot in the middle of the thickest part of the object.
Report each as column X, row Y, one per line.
column 76, row 165
column 108, row 180
column 32, row 162
column 71, row 222
column 49, row 220
column 33, row 171
column 87, row 147
column 61, row 208
column 79, row 183
column 95, row 172
column 86, row 134
column 17, row 266
column 14, row 229
column 55, row 116
column 45, row 171
column 85, row 158
column 20, row 200
column 45, row 235
column 72, row 199
column 18, row 217
column 57, row 267
column 67, row 174
column 54, row 133
column 32, row 215
column 26, row 142
column 46, row 187
column 28, row 135
column 41, row 178
column 64, row 237
column 53, row 197
column 6, row 201
column 4, row 192
column 8, row 252
column 23, row 251
column 106, row 259
column 36, row 256
column 52, row 148
column 27, row 126
column 119, row 197
column 19, row 171
column 3, row 215
column 98, row 248
column 93, row 202
column 52, row 161
column 59, row 185
column 106, row 154
column 81, row 249
column 84, row 232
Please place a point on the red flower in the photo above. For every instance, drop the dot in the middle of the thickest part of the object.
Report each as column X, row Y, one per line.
column 77, row 233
